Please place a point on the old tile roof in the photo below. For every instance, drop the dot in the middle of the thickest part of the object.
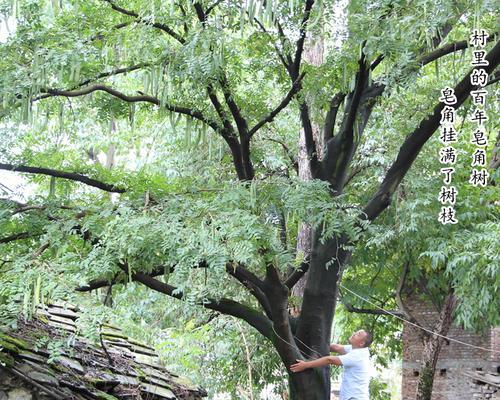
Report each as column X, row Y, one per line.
column 119, row 368
column 484, row 378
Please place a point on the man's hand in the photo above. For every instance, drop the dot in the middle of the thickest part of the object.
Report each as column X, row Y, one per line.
column 300, row 366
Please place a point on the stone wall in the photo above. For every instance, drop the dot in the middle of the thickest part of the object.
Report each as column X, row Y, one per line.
column 13, row 388
column 455, row 359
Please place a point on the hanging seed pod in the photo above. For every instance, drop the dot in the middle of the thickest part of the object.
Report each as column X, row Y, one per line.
column 197, row 129
column 166, row 274
column 268, row 13
column 36, row 291
column 203, row 133
column 26, row 303
column 61, row 116
column 146, row 81
column 242, row 17
column 131, row 115
column 253, row 193
column 188, row 132
column 5, row 100
column 77, row 71
column 154, row 82
column 55, row 7
column 275, row 12
column 72, row 72
column 319, row 14
column 251, row 10
column 171, row 118
column 210, row 147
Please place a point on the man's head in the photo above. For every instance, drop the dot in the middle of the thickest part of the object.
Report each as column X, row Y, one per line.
column 361, row 338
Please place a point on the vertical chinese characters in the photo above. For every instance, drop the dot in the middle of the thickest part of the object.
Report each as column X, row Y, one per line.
column 479, row 78
column 448, row 156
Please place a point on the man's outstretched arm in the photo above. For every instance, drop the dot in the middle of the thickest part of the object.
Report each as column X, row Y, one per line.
column 301, row 365
column 337, row 348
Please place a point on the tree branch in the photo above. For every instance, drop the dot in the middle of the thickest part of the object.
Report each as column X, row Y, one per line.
column 354, row 173
column 157, row 271
column 64, row 175
column 18, row 236
column 100, row 35
column 240, row 151
column 237, row 271
column 278, row 294
column 96, row 284
column 415, row 141
column 310, row 143
column 224, row 306
column 114, row 72
column 331, row 116
column 399, row 299
column 269, row 117
column 295, row 68
column 340, row 149
column 293, row 160
column 376, row 62
column 210, row 8
column 157, row 25
column 228, row 128
column 134, row 99
column 286, row 62
column 296, row 274
column 241, row 123
column 202, row 17
column 494, row 79
column 447, row 49
column 352, row 109
column 229, row 136
column 252, row 283
column 377, row 88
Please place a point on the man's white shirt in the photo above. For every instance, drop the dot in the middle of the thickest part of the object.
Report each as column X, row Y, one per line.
column 357, row 374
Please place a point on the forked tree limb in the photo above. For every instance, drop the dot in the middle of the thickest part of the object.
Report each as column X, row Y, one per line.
column 296, row 274
column 415, row 141
column 162, row 27
column 249, row 280
column 284, row 103
column 225, row 306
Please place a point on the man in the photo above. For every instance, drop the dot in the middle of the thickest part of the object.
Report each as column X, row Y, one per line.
column 355, row 358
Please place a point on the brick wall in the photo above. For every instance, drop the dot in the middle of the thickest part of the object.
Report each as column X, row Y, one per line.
column 449, row 382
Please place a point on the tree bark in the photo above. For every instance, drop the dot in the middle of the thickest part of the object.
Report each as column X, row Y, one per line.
column 310, row 385
column 318, row 308
column 313, row 54
column 432, row 348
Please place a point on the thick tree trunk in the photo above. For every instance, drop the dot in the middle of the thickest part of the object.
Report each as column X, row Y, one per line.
column 311, row 384
column 432, row 348
column 305, row 231
column 313, row 54
column 318, row 308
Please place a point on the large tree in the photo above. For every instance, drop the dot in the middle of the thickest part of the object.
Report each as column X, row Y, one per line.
column 233, row 76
